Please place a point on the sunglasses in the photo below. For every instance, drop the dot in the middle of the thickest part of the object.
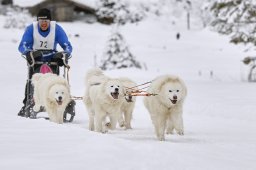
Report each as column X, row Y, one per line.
column 43, row 21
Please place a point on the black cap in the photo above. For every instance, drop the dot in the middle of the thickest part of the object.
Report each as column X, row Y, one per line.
column 44, row 13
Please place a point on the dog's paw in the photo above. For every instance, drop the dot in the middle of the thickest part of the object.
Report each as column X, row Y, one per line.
column 122, row 124
column 161, row 138
column 104, row 131
column 128, row 126
column 169, row 132
column 60, row 122
column 180, row 132
column 108, row 125
column 91, row 128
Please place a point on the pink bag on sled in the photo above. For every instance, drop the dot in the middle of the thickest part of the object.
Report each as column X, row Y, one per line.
column 45, row 69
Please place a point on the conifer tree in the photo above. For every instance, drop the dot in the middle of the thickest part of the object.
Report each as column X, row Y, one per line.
column 117, row 54
column 236, row 18
column 118, row 12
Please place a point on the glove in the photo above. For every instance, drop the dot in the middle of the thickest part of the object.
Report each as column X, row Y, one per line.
column 59, row 58
column 68, row 55
column 35, row 54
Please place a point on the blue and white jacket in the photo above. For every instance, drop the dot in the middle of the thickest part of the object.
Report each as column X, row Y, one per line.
column 39, row 40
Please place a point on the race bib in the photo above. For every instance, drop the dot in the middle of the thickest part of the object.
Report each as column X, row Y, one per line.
column 44, row 43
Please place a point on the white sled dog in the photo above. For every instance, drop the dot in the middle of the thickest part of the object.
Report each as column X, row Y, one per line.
column 128, row 105
column 103, row 97
column 52, row 92
column 167, row 106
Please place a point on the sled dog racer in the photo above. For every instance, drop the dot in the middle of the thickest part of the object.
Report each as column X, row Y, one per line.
column 39, row 43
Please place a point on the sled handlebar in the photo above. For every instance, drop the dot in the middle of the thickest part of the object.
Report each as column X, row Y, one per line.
column 64, row 60
column 50, row 62
column 33, row 60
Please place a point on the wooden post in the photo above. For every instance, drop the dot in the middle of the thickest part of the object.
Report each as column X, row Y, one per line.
column 95, row 60
column 188, row 20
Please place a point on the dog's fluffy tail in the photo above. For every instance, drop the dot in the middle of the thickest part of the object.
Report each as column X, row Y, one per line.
column 93, row 72
column 94, row 76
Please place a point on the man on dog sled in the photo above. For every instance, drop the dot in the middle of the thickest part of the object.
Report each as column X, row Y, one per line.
column 38, row 45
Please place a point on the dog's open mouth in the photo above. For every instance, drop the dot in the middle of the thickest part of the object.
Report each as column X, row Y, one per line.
column 115, row 95
column 129, row 99
column 59, row 102
column 174, row 101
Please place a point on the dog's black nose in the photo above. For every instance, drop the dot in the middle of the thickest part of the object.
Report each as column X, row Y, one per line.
column 60, row 98
column 130, row 97
column 175, row 97
column 116, row 89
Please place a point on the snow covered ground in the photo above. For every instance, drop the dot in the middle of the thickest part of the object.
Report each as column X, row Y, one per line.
column 219, row 113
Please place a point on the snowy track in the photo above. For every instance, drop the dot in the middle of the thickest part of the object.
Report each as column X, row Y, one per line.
column 219, row 113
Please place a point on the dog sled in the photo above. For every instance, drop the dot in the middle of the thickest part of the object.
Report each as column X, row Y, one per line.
column 52, row 66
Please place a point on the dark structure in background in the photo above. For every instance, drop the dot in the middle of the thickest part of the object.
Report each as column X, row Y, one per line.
column 63, row 10
column 6, row 2
column 178, row 36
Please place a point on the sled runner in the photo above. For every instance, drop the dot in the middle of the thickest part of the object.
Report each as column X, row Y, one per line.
column 52, row 66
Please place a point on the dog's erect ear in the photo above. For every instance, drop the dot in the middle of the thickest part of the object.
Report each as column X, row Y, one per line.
column 36, row 77
column 123, row 90
column 184, row 87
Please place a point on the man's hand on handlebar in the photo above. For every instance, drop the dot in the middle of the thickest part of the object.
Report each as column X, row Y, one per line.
column 32, row 55
column 61, row 57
